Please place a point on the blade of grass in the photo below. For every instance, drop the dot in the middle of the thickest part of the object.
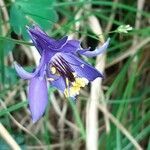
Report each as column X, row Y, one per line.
column 15, row 41
column 77, row 118
column 13, row 108
column 102, row 3
column 120, row 127
column 140, row 136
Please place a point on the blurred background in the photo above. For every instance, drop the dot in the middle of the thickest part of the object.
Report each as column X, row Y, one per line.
column 113, row 113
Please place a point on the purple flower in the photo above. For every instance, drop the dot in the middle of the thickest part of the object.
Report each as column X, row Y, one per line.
column 61, row 65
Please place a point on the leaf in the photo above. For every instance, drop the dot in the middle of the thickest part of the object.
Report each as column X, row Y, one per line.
column 27, row 12
column 17, row 19
column 2, row 68
column 8, row 46
column 5, row 47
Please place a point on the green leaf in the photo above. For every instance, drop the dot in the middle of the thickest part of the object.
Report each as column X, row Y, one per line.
column 8, row 46
column 27, row 12
column 13, row 108
column 5, row 47
column 17, row 19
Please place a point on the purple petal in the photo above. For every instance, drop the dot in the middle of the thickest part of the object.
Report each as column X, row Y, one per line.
column 38, row 29
column 82, row 68
column 40, row 38
column 59, row 43
column 38, row 97
column 37, row 32
column 59, row 84
column 71, row 46
column 26, row 75
column 96, row 52
column 22, row 73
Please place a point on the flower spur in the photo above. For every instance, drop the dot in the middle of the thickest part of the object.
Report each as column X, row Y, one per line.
column 61, row 65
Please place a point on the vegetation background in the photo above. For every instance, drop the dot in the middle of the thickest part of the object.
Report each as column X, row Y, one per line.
column 113, row 113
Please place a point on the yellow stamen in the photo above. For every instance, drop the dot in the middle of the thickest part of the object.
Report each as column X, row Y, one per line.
column 74, row 89
column 53, row 70
column 81, row 82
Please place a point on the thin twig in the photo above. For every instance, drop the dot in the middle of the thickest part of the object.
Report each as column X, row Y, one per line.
column 61, row 125
column 21, row 126
column 58, row 112
column 5, row 17
column 120, row 126
column 8, row 138
column 130, row 52
column 112, row 16
column 96, row 94
column 140, row 5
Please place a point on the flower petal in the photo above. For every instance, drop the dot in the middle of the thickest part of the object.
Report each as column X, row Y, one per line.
column 38, row 29
column 82, row 68
column 96, row 52
column 40, row 38
column 38, row 97
column 26, row 75
column 22, row 73
column 37, row 32
column 59, row 84
column 71, row 46
column 59, row 43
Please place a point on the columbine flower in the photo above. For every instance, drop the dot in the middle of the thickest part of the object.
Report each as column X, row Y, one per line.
column 61, row 65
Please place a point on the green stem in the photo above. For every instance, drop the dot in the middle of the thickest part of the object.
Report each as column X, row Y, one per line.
column 16, row 41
